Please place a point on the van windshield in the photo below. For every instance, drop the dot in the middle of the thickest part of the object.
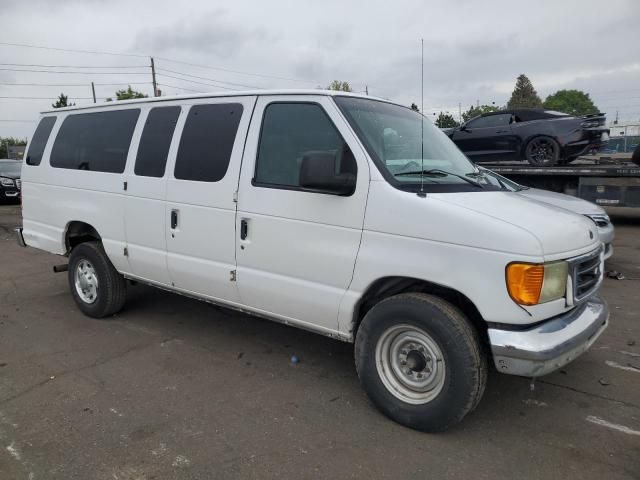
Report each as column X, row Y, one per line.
column 392, row 136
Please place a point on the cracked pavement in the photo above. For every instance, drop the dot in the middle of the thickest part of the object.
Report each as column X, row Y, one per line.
column 173, row 388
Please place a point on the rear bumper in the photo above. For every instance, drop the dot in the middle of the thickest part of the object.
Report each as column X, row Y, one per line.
column 20, row 238
column 552, row 344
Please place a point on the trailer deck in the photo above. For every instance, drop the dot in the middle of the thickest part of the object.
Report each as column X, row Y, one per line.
column 605, row 180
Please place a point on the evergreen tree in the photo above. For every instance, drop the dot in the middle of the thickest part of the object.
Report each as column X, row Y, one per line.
column 524, row 95
column 62, row 101
column 414, row 107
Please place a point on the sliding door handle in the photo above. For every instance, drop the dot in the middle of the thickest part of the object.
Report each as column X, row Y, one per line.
column 174, row 219
column 244, row 229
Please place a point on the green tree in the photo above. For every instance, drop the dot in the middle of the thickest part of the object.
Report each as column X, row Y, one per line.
column 479, row 110
column 573, row 102
column 10, row 141
column 414, row 107
column 446, row 120
column 524, row 95
column 62, row 101
column 129, row 93
column 340, row 86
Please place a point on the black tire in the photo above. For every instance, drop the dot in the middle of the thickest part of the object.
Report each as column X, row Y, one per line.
column 111, row 289
column 465, row 365
column 542, row 151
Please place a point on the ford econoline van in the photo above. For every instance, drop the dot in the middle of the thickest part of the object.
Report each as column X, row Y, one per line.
column 342, row 214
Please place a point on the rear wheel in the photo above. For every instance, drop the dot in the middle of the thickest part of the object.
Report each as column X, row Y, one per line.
column 96, row 286
column 542, row 151
column 420, row 362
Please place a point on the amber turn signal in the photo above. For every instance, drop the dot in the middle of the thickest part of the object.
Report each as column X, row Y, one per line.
column 524, row 282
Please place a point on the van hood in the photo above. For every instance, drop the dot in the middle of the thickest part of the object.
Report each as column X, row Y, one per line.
column 561, row 200
column 556, row 229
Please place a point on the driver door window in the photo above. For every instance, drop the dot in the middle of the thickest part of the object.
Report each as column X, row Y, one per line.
column 289, row 132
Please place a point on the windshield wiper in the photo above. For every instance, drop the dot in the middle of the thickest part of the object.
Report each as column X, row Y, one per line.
column 435, row 172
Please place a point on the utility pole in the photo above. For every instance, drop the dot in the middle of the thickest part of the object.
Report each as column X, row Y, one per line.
column 366, row 89
column 460, row 112
column 153, row 78
column 93, row 91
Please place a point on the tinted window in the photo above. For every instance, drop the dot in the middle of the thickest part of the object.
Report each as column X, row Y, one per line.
column 291, row 130
column 207, row 141
column 155, row 141
column 95, row 141
column 491, row 121
column 39, row 140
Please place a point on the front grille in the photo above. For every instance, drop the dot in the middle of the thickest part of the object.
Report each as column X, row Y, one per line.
column 19, row 184
column 586, row 274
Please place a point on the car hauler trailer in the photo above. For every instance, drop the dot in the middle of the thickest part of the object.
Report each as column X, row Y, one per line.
column 606, row 182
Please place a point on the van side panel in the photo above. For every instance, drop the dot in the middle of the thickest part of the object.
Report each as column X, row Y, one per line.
column 55, row 197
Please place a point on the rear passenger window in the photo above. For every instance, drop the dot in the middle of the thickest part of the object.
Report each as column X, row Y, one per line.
column 39, row 140
column 289, row 131
column 95, row 141
column 155, row 141
column 207, row 140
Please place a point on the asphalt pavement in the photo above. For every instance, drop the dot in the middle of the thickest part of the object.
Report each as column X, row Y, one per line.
column 174, row 388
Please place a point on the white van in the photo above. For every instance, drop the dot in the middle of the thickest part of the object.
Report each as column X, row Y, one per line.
column 346, row 215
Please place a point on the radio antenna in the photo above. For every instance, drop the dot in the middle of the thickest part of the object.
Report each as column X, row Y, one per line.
column 422, row 193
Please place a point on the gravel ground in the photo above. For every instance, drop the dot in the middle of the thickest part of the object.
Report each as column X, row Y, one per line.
column 173, row 388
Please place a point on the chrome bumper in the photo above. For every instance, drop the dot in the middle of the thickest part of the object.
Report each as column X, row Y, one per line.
column 20, row 238
column 552, row 344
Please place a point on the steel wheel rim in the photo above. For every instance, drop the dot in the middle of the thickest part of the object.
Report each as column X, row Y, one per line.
column 86, row 282
column 410, row 364
column 541, row 150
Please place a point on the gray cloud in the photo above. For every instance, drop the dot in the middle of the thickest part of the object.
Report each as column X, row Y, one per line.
column 472, row 51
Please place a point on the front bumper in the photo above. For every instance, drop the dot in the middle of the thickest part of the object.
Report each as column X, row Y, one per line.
column 549, row 345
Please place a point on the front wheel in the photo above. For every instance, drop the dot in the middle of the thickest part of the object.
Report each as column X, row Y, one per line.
column 420, row 361
column 96, row 286
column 542, row 151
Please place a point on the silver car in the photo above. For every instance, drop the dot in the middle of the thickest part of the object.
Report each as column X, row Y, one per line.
column 574, row 204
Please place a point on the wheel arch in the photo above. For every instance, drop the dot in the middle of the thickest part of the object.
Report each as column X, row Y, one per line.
column 77, row 232
column 386, row 287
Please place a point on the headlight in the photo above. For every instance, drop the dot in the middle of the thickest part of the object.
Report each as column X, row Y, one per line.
column 7, row 182
column 534, row 283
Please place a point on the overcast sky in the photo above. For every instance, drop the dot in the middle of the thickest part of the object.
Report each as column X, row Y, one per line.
column 473, row 50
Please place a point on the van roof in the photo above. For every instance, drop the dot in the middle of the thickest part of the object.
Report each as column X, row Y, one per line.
column 239, row 93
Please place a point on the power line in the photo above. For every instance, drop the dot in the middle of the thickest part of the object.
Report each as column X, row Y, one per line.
column 210, row 67
column 180, row 88
column 70, row 66
column 69, row 84
column 199, row 83
column 237, row 71
column 49, row 98
column 19, row 121
column 209, row 79
column 74, row 72
column 95, row 52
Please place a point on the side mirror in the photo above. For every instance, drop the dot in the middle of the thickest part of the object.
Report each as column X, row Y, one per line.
column 318, row 173
column 463, row 128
